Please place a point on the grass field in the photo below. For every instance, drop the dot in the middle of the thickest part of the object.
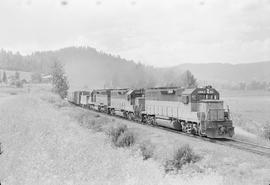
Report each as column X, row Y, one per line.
column 43, row 145
column 47, row 141
column 250, row 109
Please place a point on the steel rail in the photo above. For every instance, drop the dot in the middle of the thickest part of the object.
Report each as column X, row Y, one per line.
column 233, row 143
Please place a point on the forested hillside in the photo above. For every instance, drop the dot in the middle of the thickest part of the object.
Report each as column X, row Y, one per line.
column 87, row 67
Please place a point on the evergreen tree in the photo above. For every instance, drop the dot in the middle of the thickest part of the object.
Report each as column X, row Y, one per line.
column 5, row 77
column 17, row 75
column 59, row 80
column 189, row 81
column 36, row 78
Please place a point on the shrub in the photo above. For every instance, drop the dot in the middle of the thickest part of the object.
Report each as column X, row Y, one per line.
column 114, row 133
column 126, row 139
column 147, row 150
column 59, row 80
column 87, row 120
column 13, row 93
column 55, row 100
column 121, row 136
column 266, row 131
column 182, row 156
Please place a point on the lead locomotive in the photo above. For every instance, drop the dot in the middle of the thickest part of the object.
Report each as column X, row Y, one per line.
column 196, row 111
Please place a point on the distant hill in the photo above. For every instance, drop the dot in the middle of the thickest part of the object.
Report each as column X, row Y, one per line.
column 87, row 67
column 224, row 73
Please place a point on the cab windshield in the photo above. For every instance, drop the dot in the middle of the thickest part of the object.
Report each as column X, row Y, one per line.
column 200, row 97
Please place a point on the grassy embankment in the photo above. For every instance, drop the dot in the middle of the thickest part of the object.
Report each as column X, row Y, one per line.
column 44, row 144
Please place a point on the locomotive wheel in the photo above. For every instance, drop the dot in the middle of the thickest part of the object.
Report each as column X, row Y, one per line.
column 112, row 112
column 125, row 114
column 131, row 116
column 199, row 130
column 151, row 120
column 183, row 124
column 128, row 116
column 146, row 119
column 143, row 120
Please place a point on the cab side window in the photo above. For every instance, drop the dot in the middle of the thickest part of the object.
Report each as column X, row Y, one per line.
column 185, row 99
column 194, row 98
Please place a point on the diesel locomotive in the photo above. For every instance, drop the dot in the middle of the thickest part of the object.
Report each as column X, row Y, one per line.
column 196, row 111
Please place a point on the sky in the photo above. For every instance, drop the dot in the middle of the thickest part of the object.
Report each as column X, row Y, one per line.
column 153, row 32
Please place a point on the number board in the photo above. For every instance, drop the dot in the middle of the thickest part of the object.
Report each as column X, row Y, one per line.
column 206, row 91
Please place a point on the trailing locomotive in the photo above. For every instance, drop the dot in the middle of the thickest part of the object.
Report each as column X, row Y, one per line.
column 196, row 111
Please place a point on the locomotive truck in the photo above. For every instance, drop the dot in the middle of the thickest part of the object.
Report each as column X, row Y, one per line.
column 196, row 111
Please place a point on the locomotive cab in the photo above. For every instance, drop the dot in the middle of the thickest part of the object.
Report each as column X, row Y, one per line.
column 136, row 97
column 214, row 119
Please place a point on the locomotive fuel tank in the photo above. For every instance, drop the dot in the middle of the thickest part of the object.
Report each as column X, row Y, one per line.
column 173, row 124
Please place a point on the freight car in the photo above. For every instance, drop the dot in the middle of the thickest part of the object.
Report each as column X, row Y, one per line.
column 196, row 111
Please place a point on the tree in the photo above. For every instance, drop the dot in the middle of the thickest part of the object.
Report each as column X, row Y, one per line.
column 59, row 80
column 242, row 86
column 189, row 81
column 36, row 78
column 5, row 77
column 17, row 75
column 19, row 84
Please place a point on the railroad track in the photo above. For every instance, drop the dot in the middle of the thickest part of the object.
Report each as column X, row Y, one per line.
column 233, row 143
column 245, row 146
column 249, row 147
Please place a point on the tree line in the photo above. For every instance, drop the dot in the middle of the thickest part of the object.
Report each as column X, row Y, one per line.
column 252, row 85
column 14, row 80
